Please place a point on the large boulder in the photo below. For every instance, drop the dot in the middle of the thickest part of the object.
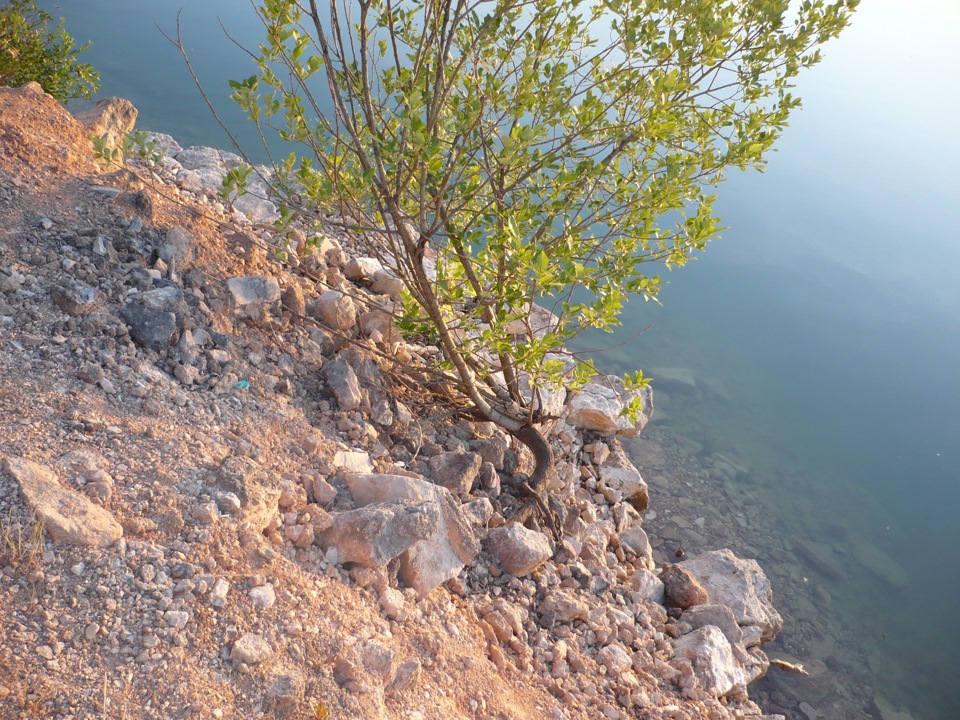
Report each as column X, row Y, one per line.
column 111, row 118
column 68, row 517
column 598, row 406
column 375, row 534
column 441, row 555
column 720, row 667
column 742, row 586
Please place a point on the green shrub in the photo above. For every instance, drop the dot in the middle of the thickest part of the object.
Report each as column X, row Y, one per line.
column 31, row 50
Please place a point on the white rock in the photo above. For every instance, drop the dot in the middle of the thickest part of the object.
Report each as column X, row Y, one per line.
column 717, row 615
column 336, row 310
column 352, row 461
column 251, row 649
column 713, row 660
column 218, row 594
column 741, row 585
column 648, row 585
column 264, row 596
column 176, row 618
column 615, row 658
column 68, row 517
column 375, row 534
column 254, row 290
column 362, row 268
column 392, row 602
column 598, row 405
column 440, row 556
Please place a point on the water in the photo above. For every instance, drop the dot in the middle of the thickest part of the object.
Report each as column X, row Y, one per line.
column 821, row 331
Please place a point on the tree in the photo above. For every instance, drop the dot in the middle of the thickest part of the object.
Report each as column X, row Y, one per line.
column 508, row 152
column 30, row 50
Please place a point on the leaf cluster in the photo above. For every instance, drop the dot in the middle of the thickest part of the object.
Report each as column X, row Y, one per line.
column 33, row 50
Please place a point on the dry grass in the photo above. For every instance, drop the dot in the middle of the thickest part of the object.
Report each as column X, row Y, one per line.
column 21, row 544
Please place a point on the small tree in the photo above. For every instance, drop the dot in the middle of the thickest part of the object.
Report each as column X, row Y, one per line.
column 517, row 151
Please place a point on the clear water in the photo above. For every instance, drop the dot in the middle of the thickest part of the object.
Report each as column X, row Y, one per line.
column 823, row 329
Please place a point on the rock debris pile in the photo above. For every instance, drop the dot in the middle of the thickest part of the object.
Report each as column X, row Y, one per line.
column 218, row 500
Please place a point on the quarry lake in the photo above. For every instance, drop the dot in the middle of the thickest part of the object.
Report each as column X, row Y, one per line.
column 806, row 366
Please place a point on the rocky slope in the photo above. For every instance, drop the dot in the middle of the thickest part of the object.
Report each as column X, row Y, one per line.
column 218, row 499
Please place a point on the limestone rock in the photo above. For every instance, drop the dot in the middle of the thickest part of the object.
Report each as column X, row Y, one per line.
column 717, row 615
column 635, row 539
column 379, row 326
column 336, row 310
column 456, row 471
column 519, row 550
column 257, row 489
column 344, row 384
column 284, row 692
column 648, row 585
column 352, row 461
column 628, row 481
column 179, row 247
column 385, row 283
column 375, row 534
column 151, row 328
column 562, row 606
column 880, row 564
column 674, row 379
column 598, row 405
column 714, row 664
column 324, row 492
column 821, row 558
column 681, row 588
column 452, row 543
column 254, row 205
column 251, row 649
column 539, row 320
column 263, row 596
column 75, row 298
column 166, row 299
column 615, row 658
column 113, row 117
column 362, row 268
column 68, row 517
column 254, row 290
column 741, row 585
column 293, row 300
column 887, row 711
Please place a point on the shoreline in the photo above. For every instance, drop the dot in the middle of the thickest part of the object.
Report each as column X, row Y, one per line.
column 560, row 619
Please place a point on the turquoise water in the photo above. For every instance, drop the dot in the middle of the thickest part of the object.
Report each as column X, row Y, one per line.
column 822, row 330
